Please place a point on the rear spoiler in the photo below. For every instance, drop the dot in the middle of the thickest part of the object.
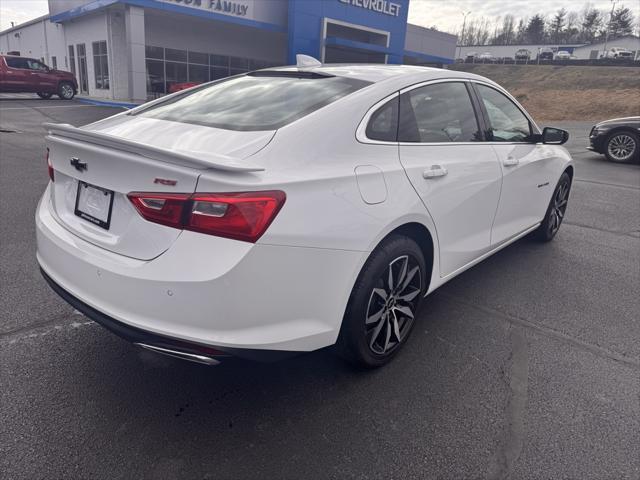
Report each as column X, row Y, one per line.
column 201, row 160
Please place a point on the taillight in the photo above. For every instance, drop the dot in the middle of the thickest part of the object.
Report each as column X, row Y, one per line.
column 50, row 166
column 240, row 216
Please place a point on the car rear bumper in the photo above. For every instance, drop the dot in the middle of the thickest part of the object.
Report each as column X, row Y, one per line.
column 204, row 290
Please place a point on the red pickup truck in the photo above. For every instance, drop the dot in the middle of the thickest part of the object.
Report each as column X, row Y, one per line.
column 22, row 74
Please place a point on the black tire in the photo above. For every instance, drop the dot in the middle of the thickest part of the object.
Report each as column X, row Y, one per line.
column 555, row 211
column 45, row 95
column 391, row 314
column 622, row 146
column 66, row 91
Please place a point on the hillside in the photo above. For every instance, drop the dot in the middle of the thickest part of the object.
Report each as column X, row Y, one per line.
column 551, row 92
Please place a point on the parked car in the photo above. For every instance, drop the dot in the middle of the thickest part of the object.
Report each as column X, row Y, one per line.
column 22, row 74
column 619, row 52
column 486, row 57
column 176, row 87
column 523, row 54
column 617, row 139
column 545, row 53
column 563, row 55
column 221, row 220
column 471, row 56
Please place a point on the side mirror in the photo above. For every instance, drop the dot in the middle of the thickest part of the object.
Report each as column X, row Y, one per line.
column 554, row 136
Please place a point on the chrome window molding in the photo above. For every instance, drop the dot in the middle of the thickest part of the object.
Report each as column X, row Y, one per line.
column 361, row 136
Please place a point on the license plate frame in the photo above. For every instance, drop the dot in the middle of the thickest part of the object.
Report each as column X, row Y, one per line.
column 100, row 222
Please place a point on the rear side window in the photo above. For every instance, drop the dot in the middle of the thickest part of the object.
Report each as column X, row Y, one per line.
column 383, row 124
column 14, row 62
column 254, row 102
column 441, row 112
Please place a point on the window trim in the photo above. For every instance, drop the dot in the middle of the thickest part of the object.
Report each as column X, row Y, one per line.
column 361, row 131
column 361, row 136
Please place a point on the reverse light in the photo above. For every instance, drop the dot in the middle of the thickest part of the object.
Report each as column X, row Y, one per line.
column 241, row 216
column 50, row 166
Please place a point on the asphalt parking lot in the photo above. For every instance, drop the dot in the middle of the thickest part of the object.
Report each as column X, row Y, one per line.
column 526, row 366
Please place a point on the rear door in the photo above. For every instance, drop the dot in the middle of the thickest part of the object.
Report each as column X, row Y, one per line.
column 456, row 175
column 18, row 75
column 527, row 167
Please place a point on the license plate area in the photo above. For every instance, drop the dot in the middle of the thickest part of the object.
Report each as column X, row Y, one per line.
column 94, row 204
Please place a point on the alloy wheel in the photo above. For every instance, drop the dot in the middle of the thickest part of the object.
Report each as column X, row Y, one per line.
column 621, row 147
column 558, row 207
column 392, row 305
column 67, row 91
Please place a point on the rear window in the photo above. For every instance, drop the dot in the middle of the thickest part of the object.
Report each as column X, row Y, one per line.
column 260, row 101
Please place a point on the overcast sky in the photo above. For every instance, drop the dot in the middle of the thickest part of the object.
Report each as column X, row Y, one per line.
column 444, row 14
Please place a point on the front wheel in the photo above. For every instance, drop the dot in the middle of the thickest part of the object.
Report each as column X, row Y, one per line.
column 45, row 95
column 65, row 91
column 622, row 147
column 384, row 303
column 555, row 212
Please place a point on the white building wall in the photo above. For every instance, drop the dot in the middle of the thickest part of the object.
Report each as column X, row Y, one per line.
column 86, row 30
column 630, row 43
column 429, row 41
column 40, row 39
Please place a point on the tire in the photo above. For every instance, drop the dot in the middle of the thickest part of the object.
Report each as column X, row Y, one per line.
column 65, row 91
column 622, row 147
column 555, row 211
column 45, row 95
column 376, row 323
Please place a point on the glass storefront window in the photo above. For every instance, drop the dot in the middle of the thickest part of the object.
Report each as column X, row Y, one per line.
column 198, row 73
column 168, row 66
column 154, row 52
column 175, row 55
column 201, row 58
column 155, row 78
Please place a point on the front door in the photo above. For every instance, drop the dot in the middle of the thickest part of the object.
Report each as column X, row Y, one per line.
column 527, row 167
column 83, row 81
column 46, row 82
column 457, row 176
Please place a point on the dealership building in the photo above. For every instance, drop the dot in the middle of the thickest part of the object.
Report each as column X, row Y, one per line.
column 138, row 49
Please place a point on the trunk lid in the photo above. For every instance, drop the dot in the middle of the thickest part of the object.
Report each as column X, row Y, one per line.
column 128, row 154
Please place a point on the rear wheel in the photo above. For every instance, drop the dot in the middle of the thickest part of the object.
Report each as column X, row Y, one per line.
column 384, row 303
column 45, row 95
column 65, row 91
column 555, row 212
column 622, row 147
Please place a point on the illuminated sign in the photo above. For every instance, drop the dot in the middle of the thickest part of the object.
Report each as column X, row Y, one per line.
column 380, row 6
column 225, row 7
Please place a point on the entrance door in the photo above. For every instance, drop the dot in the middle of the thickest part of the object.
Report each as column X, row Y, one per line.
column 82, row 68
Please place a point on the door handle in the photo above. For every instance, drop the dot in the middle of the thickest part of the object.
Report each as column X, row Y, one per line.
column 434, row 172
column 510, row 161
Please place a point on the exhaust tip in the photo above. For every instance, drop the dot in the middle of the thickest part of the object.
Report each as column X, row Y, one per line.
column 191, row 357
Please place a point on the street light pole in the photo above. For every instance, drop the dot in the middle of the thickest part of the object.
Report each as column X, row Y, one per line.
column 606, row 34
column 464, row 24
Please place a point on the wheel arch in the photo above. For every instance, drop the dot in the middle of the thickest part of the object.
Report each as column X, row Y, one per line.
column 420, row 234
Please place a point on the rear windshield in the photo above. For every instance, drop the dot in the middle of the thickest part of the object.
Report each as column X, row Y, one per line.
column 254, row 101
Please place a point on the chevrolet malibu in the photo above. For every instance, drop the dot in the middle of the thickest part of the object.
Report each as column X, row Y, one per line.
column 295, row 208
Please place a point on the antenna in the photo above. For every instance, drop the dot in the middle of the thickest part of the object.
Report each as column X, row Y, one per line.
column 303, row 61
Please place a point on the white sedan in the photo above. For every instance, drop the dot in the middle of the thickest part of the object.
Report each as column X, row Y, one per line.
column 294, row 208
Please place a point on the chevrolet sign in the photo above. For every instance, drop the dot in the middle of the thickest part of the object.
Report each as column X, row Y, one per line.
column 380, row 6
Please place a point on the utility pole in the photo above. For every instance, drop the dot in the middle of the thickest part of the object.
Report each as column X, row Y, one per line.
column 606, row 34
column 464, row 24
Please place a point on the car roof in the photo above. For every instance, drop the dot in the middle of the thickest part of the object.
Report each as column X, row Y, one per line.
column 375, row 73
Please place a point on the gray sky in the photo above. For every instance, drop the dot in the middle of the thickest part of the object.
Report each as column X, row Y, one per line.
column 445, row 15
